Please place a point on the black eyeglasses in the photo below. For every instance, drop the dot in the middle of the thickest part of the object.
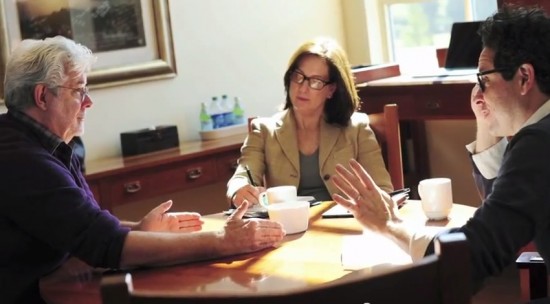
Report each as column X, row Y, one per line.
column 481, row 80
column 314, row 83
column 83, row 91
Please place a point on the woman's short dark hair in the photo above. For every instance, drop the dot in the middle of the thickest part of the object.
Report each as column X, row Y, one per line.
column 345, row 100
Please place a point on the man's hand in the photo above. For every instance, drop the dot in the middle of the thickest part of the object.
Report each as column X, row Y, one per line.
column 479, row 107
column 160, row 220
column 484, row 139
column 247, row 235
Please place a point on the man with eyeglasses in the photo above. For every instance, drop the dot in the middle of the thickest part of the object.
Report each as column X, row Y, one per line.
column 514, row 80
column 47, row 211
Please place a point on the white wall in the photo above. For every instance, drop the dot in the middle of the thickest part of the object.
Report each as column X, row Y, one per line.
column 241, row 47
column 238, row 47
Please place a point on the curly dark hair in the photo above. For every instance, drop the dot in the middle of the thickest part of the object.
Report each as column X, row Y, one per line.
column 519, row 35
column 345, row 100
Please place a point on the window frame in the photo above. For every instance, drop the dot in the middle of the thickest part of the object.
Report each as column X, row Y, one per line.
column 380, row 44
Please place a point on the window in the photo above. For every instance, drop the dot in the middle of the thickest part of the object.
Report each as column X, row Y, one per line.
column 411, row 30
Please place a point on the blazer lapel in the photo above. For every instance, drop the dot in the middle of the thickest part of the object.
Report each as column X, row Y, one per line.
column 327, row 141
column 285, row 134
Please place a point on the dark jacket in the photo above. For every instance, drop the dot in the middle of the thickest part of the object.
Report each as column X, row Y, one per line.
column 516, row 209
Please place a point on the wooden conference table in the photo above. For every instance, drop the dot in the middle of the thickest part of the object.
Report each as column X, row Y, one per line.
column 302, row 259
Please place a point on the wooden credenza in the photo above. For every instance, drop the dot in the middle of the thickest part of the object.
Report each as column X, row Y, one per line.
column 117, row 181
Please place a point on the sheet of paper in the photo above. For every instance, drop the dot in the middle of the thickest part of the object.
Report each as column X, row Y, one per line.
column 371, row 250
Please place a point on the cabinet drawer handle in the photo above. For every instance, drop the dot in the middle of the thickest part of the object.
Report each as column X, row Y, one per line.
column 132, row 187
column 194, row 173
column 234, row 165
column 433, row 105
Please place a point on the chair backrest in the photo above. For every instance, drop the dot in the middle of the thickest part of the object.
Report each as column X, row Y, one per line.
column 250, row 123
column 533, row 276
column 386, row 128
column 442, row 278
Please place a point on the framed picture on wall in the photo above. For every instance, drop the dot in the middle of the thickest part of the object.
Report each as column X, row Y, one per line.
column 132, row 39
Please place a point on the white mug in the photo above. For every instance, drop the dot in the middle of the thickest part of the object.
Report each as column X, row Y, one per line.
column 292, row 215
column 278, row 194
column 437, row 197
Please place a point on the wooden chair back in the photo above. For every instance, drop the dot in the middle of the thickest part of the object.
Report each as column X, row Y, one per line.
column 386, row 128
column 250, row 123
column 533, row 276
column 441, row 56
column 442, row 278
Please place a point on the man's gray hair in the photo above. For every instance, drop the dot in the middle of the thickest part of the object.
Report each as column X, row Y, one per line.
column 47, row 62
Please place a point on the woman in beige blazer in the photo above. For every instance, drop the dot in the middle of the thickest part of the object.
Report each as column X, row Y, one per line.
column 318, row 129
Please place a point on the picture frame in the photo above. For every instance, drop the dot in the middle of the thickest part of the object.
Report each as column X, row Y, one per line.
column 146, row 53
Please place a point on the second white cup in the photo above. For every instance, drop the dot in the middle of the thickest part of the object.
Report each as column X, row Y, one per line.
column 293, row 215
column 437, row 197
column 278, row 194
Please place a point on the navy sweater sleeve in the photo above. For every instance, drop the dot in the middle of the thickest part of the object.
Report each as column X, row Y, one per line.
column 47, row 212
column 47, row 203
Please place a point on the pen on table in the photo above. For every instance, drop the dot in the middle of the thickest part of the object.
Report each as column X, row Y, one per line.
column 250, row 176
column 399, row 191
column 314, row 203
column 400, row 199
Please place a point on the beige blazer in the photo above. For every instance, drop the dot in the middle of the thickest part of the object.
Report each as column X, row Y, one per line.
column 271, row 151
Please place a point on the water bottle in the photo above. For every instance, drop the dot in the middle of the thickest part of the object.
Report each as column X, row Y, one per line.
column 238, row 113
column 227, row 111
column 206, row 120
column 216, row 113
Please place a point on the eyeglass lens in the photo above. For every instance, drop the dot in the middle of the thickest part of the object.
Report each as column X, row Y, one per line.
column 481, row 79
column 480, row 83
column 83, row 92
column 314, row 83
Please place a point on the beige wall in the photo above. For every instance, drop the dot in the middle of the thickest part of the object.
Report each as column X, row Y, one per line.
column 241, row 47
column 355, row 28
column 237, row 47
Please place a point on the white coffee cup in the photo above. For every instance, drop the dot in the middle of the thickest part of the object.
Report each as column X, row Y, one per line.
column 292, row 215
column 437, row 197
column 278, row 194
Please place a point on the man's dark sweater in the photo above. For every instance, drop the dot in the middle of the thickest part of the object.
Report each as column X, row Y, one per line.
column 517, row 208
column 47, row 211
